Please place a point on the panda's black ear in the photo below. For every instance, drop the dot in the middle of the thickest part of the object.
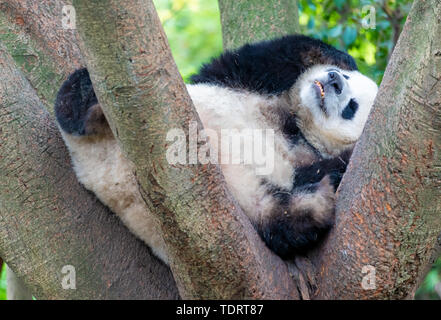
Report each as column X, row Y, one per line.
column 76, row 107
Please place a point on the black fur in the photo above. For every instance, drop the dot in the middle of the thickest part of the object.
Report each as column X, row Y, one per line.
column 289, row 126
column 334, row 168
column 291, row 131
column 350, row 110
column 271, row 67
column 75, row 97
column 287, row 231
column 290, row 235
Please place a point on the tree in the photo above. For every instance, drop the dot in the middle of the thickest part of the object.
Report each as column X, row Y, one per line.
column 367, row 29
column 389, row 202
column 263, row 20
column 139, row 87
column 47, row 219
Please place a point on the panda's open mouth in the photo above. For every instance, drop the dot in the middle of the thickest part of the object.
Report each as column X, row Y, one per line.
column 320, row 86
column 321, row 92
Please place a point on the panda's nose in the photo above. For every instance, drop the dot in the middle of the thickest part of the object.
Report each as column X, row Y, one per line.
column 335, row 80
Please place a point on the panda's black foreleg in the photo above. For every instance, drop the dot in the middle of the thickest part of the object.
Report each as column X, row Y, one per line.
column 76, row 107
column 300, row 217
column 334, row 167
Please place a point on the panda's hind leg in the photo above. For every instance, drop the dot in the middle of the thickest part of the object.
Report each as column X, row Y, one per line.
column 98, row 161
column 299, row 218
column 76, row 107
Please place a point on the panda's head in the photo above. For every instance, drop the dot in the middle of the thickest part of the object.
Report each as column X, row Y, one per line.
column 332, row 106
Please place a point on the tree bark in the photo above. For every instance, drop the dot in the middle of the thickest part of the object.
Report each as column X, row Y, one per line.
column 16, row 289
column 33, row 33
column 48, row 221
column 388, row 210
column 389, row 203
column 214, row 251
column 248, row 21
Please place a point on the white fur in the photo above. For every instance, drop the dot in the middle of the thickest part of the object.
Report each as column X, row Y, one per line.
column 102, row 168
column 330, row 133
column 222, row 108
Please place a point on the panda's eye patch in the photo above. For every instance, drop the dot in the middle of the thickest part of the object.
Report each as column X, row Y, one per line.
column 346, row 76
column 350, row 110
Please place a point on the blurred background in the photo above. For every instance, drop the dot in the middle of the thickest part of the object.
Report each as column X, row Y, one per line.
column 194, row 33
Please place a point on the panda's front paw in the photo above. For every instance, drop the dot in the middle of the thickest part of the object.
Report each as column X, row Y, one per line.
column 76, row 107
column 335, row 178
column 296, row 226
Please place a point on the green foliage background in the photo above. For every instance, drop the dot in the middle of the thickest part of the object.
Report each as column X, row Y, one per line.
column 3, row 283
column 194, row 33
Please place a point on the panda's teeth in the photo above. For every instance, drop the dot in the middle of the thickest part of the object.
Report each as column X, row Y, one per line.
column 322, row 91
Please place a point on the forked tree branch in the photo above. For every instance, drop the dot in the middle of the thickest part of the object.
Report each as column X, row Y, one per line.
column 388, row 212
column 214, row 250
column 44, row 49
column 248, row 21
column 47, row 220
column 389, row 203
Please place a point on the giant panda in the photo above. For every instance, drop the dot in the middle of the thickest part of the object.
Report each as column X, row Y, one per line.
column 309, row 93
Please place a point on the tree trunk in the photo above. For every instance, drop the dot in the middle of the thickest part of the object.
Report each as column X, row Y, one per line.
column 33, row 33
column 16, row 289
column 389, row 204
column 248, row 21
column 48, row 221
column 389, row 200
column 214, row 251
